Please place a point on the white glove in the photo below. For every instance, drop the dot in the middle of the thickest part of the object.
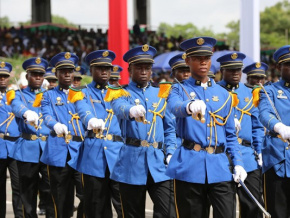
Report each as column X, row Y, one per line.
column 196, row 107
column 237, row 125
column 95, row 123
column 31, row 116
column 137, row 111
column 239, row 174
column 60, row 128
column 260, row 160
column 283, row 130
column 168, row 158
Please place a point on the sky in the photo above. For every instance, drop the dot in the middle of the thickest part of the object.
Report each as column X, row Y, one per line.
column 94, row 13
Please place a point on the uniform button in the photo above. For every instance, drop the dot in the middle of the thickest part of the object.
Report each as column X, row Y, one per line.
column 209, row 111
column 105, row 148
column 146, row 99
column 6, row 102
column 207, row 100
column 204, row 88
column 208, row 138
column 287, row 148
column 235, row 115
column 208, row 125
column 69, row 132
column 67, row 102
column 7, row 134
column 40, row 135
column 69, row 121
column 69, row 111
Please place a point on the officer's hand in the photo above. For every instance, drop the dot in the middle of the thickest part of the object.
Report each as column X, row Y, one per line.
column 31, row 116
column 196, row 107
column 283, row 130
column 95, row 123
column 60, row 128
column 239, row 174
column 260, row 160
column 137, row 111
column 237, row 125
column 168, row 158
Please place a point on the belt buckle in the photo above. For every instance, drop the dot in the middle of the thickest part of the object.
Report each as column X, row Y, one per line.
column 197, row 147
column 155, row 144
column 33, row 137
column 43, row 138
column 109, row 137
column 240, row 141
column 144, row 143
column 210, row 150
column 2, row 135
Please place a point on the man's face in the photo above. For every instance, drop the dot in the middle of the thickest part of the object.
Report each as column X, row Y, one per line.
column 182, row 73
column 101, row 74
column 64, row 76
column 35, row 79
column 284, row 68
column 255, row 80
column 232, row 76
column 77, row 82
column 52, row 83
column 4, row 81
column 140, row 73
column 199, row 65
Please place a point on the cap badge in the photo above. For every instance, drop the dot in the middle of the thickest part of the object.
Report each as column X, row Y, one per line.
column 105, row 53
column 67, row 55
column 78, row 68
column 200, row 41
column 38, row 60
column 2, row 65
column 258, row 65
column 145, row 47
column 183, row 56
column 234, row 56
column 115, row 68
column 53, row 70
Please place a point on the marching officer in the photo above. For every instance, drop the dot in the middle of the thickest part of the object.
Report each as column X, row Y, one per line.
column 149, row 135
column 115, row 75
column 274, row 110
column 8, row 135
column 250, row 131
column 99, row 153
column 179, row 69
column 65, row 138
column 33, row 135
column 50, row 77
column 200, row 166
column 256, row 74
column 77, row 74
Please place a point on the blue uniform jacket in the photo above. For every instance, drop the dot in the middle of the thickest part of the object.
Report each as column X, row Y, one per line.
column 200, row 166
column 134, row 163
column 8, row 126
column 252, row 129
column 96, row 154
column 275, row 152
column 27, row 150
column 56, row 108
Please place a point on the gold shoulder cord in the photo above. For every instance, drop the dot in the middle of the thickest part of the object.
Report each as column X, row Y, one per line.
column 76, row 118
column 214, row 121
column 244, row 110
column 153, row 123
column 8, row 121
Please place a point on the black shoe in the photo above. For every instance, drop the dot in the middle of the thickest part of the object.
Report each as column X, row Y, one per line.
column 41, row 212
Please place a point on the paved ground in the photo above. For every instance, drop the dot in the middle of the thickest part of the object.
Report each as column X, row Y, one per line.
column 9, row 213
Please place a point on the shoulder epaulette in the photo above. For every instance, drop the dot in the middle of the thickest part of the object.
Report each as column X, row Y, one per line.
column 256, row 95
column 10, row 95
column 75, row 94
column 115, row 92
column 164, row 89
column 38, row 98
column 235, row 99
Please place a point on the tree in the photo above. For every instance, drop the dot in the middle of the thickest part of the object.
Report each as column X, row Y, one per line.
column 4, row 22
column 187, row 31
